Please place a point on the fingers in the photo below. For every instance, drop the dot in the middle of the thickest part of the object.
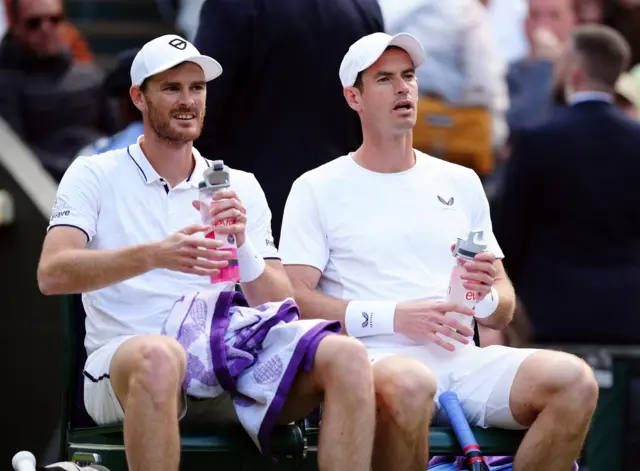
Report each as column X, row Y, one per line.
column 227, row 194
column 448, row 306
column 230, row 213
column 195, row 228
column 196, row 204
column 211, row 254
column 191, row 262
column 477, row 277
column 452, row 334
column 452, row 325
column 203, row 242
column 433, row 338
column 231, row 229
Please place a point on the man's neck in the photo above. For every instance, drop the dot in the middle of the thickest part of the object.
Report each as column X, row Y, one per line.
column 386, row 154
column 173, row 161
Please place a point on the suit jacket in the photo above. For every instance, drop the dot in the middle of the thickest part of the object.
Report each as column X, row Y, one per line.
column 278, row 109
column 568, row 220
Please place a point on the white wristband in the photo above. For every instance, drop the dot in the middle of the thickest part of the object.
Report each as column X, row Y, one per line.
column 250, row 262
column 367, row 318
column 488, row 305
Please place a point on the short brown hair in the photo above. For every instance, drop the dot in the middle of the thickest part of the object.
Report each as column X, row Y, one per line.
column 602, row 51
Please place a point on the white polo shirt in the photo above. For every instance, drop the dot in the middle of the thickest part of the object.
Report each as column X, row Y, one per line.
column 378, row 236
column 117, row 199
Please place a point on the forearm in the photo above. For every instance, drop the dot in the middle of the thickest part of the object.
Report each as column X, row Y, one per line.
column 503, row 314
column 83, row 270
column 272, row 285
column 316, row 305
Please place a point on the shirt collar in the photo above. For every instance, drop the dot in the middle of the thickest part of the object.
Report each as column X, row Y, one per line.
column 581, row 97
column 149, row 174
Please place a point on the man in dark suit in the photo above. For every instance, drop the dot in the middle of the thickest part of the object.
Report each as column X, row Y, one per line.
column 568, row 214
column 278, row 110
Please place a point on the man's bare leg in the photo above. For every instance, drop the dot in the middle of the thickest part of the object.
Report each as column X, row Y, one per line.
column 341, row 377
column 146, row 374
column 556, row 393
column 405, row 389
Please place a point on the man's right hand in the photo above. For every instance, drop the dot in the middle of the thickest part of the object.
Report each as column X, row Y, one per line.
column 186, row 253
column 420, row 320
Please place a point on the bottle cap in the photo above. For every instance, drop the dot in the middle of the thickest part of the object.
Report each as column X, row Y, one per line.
column 471, row 247
column 216, row 176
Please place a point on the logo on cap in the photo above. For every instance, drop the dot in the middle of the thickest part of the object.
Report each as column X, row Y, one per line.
column 178, row 43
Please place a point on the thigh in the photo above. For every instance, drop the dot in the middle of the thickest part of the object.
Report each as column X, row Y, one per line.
column 158, row 358
column 483, row 379
column 100, row 400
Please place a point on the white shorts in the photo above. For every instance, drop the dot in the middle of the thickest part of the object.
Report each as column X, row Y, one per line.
column 481, row 377
column 104, row 408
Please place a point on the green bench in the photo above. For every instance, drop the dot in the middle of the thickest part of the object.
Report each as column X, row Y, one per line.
column 295, row 445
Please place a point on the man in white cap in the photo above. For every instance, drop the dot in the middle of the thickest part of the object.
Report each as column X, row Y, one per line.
column 367, row 240
column 124, row 234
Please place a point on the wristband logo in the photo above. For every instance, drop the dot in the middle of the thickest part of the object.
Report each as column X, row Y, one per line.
column 368, row 320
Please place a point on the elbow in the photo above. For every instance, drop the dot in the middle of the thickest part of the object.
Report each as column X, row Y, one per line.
column 47, row 282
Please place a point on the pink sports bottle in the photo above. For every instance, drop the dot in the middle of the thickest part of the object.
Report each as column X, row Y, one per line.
column 216, row 178
column 464, row 251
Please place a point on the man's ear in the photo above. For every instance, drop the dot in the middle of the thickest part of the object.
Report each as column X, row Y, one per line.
column 137, row 97
column 353, row 97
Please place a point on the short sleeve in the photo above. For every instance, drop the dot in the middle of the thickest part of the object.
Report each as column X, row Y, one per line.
column 303, row 240
column 480, row 213
column 259, row 220
column 77, row 201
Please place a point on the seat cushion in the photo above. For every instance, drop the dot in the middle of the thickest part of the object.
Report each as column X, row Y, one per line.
column 285, row 441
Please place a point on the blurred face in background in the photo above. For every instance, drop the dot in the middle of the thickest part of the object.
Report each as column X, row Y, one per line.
column 589, row 11
column 36, row 24
column 173, row 103
column 556, row 16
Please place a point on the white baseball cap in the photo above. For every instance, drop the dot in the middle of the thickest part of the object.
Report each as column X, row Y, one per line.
column 167, row 51
column 365, row 51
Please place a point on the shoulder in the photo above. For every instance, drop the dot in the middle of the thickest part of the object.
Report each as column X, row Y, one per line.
column 327, row 173
column 440, row 167
column 105, row 164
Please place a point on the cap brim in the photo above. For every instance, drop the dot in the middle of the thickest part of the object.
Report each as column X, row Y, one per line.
column 211, row 67
column 410, row 44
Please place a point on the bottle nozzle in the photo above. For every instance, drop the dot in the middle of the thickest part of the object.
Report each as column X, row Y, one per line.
column 474, row 244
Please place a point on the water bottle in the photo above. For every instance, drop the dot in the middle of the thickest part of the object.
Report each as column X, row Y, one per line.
column 216, row 178
column 464, row 251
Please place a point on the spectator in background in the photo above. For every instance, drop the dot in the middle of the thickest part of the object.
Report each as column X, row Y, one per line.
column 55, row 105
column 70, row 35
column 589, row 11
column 184, row 15
column 278, row 110
column 506, row 18
column 568, row 218
column 627, row 95
column 130, row 126
column 531, row 80
column 464, row 65
column 624, row 16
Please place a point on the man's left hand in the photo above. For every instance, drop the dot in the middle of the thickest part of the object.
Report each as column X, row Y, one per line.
column 480, row 274
column 227, row 206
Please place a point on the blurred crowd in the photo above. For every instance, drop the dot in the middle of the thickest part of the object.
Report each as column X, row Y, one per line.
column 496, row 69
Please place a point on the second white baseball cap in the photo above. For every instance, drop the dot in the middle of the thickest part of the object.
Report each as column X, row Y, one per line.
column 163, row 53
column 365, row 51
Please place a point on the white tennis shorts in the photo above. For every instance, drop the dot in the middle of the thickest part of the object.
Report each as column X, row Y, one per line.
column 104, row 407
column 481, row 377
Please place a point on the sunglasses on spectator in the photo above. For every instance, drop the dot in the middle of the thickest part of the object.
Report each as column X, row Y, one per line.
column 35, row 22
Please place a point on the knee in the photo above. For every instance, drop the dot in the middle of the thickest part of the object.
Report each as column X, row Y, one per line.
column 158, row 367
column 404, row 386
column 581, row 383
column 343, row 361
column 570, row 379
